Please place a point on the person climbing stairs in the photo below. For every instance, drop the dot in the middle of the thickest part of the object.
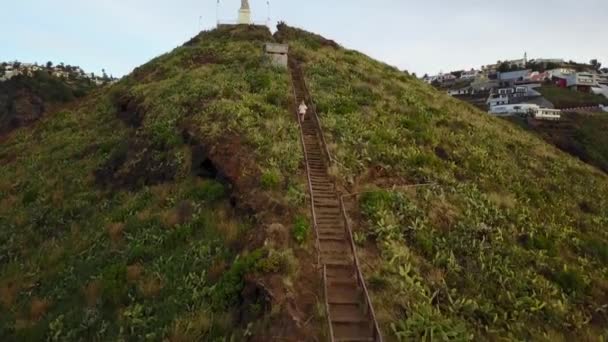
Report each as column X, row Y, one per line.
column 351, row 316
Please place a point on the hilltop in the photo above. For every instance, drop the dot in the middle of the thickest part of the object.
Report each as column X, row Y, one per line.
column 173, row 205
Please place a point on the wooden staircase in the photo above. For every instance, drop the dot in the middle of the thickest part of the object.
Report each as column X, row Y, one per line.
column 349, row 310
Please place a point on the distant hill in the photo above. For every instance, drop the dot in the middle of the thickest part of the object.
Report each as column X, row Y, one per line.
column 24, row 99
column 566, row 98
column 582, row 135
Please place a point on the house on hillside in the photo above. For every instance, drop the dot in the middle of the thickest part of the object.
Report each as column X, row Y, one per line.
column 497, row 100
column 461, row 91
column 538, row 77
column 442, row 79
column 483, row 83
column 547, row 114
column 527, row 110
column 560, row 76
column 509, row 79
column 581, row 81
column 469, row 75
column 523, row 109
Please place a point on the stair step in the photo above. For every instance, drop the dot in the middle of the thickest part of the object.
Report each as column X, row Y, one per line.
column 332, row 237
column 351, row 332
column 337, row 262
column 334, row 246
column 347, row 313
column 340, row 271
column 343, row 294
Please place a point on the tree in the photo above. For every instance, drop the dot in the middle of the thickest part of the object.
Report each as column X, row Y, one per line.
column 49, row 64
column 458, row 74
column 595, row 64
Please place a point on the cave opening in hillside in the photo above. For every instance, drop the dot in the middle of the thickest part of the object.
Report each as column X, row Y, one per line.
column 202, row 166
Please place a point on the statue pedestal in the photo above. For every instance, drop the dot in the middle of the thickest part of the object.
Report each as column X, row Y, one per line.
column 244, row 16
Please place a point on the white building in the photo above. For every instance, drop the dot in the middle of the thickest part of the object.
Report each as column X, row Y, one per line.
column 514, row 109
column 469, row 75
column 581, row 81
column 526, row 109
column 561, row 72
column 497, row 100
column 548, row 114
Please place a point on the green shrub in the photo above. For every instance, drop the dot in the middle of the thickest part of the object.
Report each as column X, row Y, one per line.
column 227, row 291
column 271, row 179
column 209, row 191
column 570, row 281
column 274, row 262
column 597, row 249
column 301, row 229
column 541, row 242
column 114, row 284
column 426, row 324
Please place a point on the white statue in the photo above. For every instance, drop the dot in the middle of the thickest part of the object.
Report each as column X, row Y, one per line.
column 245, row 13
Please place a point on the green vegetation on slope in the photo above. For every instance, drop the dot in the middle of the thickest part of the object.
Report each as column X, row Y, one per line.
column 509, row 239
column 565, row 98
column 111, row 224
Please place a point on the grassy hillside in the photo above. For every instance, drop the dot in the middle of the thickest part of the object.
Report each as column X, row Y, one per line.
column 506, row 240
column 159, row 208
column 565, row 98
column 24, row 99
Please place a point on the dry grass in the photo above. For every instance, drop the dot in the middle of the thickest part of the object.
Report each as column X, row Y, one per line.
column 134, row 272
column 39, row 308
column 227, row 226
column 7, row 203
column 116, row 232
column 216, row 270
column 144, row 215
column 161, row 192
column 503, row 200
column 170, row 218
column 191, row 328
column 92, row 292
column 151, row 287
column 57, row 197
column 443, row 215
column 8, row 294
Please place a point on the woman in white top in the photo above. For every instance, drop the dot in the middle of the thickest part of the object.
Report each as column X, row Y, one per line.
column 302, row 110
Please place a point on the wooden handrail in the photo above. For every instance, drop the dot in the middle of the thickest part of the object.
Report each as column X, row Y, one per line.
column 327, row 312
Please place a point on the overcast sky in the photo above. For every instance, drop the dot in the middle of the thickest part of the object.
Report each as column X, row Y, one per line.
column 422, row 36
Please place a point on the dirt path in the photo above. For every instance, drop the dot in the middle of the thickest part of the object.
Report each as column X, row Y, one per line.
column 351, row 317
